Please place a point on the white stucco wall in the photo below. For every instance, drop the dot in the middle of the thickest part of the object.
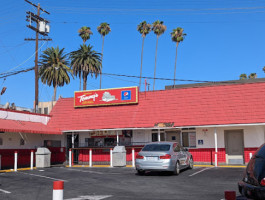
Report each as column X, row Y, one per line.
column 141, row 136
column 254, row 136
column 12, row 140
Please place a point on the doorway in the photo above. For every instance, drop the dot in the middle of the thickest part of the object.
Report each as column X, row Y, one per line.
column 234, row 146
column 76, row 144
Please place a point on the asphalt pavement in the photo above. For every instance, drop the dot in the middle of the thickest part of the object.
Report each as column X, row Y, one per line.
column 119, row 184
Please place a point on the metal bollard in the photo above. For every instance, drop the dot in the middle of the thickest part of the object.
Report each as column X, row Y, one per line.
column 133, row 157
column 58, row 187
column 70, row 157
column 230, row 195
column 15, row 161
column 250, row 155
column 111, row 165
column 90, row 157
column 31, row 159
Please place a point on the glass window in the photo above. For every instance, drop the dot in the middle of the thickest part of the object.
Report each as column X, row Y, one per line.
column 1, row 141
column 46, row 110
column 185, row 139
column 156, row 147
column 154, row 137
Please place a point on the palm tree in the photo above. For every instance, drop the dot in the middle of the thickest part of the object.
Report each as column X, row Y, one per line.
column 158, row 28
column 252, row 76
column 85, row 61
column 243, row 76
column 54, row 68
column 103, row 30
column 263, row 69
column 85, row 33
column 144, row 29
column 177, row 36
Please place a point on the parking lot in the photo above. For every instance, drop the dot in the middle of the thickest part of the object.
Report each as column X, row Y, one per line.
column 119, row 183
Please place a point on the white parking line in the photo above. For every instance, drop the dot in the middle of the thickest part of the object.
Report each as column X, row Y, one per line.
column 86, row 171
column 200, row 171
column 91, row 197
column 4, row 191
column 56, row 179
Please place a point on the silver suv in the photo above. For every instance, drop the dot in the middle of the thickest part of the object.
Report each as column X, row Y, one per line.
column 163, row 156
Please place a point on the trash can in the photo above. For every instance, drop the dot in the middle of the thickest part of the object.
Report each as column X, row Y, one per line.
column 119, row 156
column 43, row 157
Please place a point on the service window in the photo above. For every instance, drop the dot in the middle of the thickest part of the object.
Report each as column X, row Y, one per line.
column 1, row 141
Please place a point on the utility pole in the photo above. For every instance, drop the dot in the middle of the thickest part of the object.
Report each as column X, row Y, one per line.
column 43, row 29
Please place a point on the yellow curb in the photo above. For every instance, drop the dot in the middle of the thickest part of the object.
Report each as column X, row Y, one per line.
column 20, row 169
column 203, row 165
column 129, row 166
column 224, row 166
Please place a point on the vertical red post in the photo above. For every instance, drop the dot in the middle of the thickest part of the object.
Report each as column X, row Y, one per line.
column 230, row 195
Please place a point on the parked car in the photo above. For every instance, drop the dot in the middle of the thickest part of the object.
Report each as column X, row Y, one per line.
column 163, row 156
column 253, row 183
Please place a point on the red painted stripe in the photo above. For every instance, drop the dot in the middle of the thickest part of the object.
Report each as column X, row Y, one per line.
column 58, row 185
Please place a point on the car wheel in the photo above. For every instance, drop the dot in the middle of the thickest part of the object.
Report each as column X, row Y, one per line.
column 141, row 172
column 191, row 163
column 177, row 169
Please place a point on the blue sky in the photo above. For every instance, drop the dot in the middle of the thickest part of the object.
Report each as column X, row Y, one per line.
column 224, row 39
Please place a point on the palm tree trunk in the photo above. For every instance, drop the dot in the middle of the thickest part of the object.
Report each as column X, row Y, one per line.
column 141, row 64
column 101, row 61
column 80, row 81
column 155, row 63
column 84, row 81
column 177, row 44
column 54, row 93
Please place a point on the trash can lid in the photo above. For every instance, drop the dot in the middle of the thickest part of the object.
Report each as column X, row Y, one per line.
column 119, row 149
column 42, row 151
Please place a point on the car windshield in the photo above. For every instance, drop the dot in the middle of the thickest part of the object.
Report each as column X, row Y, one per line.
column 156, row 147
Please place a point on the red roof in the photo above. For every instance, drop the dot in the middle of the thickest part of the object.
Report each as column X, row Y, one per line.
column 211, row 105
column 7, row 125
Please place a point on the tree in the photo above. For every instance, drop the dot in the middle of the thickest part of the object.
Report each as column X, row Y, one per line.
column 177, row 36
column 243, row 76
column 54, row 68
column 143, row 28
column 85, row 61
column 252, row 76
column 103, row 30
column 85, row 33
column 158, row 28
column 263, row 69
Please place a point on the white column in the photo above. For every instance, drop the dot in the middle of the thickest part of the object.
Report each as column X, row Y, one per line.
column 111, row 165
column 158, row 135
column 216, row 150
column 31, row 159
column 70, row 157
column 90, row 157
column 117, row 138
column 250, row 155
column 133, row 157
column 15, row 163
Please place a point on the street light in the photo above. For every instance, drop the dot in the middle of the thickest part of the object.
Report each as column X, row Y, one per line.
column 2, row 92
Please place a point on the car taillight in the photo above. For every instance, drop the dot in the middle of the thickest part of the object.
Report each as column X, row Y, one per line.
column 139, row 157
column 262, row 182
column 167, row 156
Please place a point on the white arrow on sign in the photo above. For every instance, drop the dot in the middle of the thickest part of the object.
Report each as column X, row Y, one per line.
column 91, row 197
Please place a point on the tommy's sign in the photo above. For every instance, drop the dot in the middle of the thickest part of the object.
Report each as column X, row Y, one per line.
column 117, row 96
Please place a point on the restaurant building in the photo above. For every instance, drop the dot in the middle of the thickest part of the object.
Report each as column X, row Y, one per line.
column 223, row 122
